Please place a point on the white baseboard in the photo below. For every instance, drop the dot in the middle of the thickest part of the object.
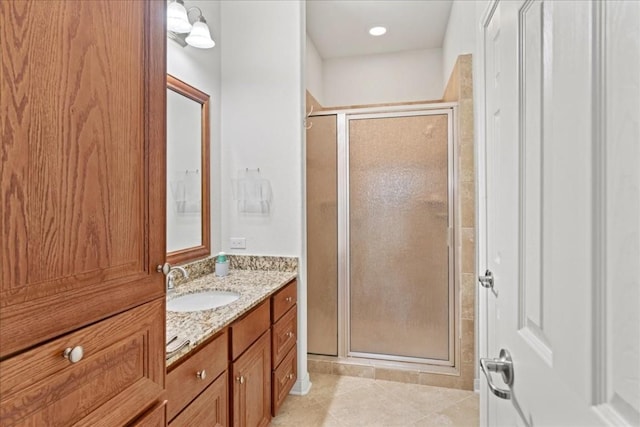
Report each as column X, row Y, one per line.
column 302, row 385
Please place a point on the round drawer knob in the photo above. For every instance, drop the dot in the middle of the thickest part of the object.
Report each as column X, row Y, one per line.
column 240, row 379
column 73, row 355
column 201, row 374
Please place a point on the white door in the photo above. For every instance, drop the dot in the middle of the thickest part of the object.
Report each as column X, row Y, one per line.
column 562, row 150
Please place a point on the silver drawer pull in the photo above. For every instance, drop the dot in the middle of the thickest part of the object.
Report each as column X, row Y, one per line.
column 201, row 374
column 240, row 379
column 290, row 376
column 73, row 355
column 288, row 299
column 290, row 334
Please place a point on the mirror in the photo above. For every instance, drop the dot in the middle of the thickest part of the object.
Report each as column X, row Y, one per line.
column 188, row 220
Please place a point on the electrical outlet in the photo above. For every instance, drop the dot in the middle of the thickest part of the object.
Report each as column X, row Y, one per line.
column 238, row 243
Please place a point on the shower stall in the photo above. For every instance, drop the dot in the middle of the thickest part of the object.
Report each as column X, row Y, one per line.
column 380, row 233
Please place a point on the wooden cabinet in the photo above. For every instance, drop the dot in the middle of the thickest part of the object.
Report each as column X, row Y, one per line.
column 209, row 409
column 248, row 329
column 82, row 167
column 155, row 417
column 283, row 300
column 116, row 378
column 262, row 355
column 285, row 375
column 82, row 196
column 284, row 315
column 284, row 336
column 251, row 368
column 188, row 379
column 252, row 385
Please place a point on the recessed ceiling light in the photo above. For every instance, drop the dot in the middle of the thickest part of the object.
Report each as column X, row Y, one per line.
column 377, row 31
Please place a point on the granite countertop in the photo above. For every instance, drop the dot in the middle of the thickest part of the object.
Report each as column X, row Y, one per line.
column 254, row 286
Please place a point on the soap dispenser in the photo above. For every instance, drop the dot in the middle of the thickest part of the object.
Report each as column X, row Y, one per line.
column 222, row 265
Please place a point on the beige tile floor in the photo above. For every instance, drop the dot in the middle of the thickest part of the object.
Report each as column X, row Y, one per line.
column 341, row 401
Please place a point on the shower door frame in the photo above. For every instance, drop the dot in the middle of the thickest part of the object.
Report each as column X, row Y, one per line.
column 343, row 117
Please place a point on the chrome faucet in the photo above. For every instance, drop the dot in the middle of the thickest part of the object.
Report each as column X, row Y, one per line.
column 169, row 276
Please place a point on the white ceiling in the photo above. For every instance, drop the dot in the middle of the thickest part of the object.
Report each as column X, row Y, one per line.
column 341, row 27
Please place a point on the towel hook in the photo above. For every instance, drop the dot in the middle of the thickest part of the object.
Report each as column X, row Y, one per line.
column 310, row 125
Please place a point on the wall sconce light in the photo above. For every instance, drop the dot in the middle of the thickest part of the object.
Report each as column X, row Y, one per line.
column 187, row 28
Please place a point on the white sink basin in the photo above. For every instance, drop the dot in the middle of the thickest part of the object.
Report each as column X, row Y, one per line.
column 199, row 301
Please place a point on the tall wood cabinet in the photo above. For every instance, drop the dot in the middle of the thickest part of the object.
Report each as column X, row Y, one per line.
column 82, row 211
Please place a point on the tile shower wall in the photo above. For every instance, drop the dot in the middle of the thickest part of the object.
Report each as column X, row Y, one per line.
column 460, row 89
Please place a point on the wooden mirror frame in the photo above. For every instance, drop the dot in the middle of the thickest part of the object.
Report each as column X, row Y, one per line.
column 204, row 249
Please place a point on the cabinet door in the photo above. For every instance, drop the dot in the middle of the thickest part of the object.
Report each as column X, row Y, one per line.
column 82, row 164
column 209, row 409
column 252, row 385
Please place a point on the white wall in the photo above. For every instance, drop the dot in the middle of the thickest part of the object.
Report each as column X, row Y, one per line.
column 201, row 68
column 262, row 112
column 313, row 75
column 414, row 75
column 460, row 37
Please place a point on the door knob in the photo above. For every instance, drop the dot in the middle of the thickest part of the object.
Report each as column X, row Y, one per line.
column 486, row 281
column 502, row 365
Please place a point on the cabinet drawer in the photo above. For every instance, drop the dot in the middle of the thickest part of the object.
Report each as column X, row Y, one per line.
column 155, row 417
column 121, row 370
column 284, row 335
column 283, row 300
column 186, row 381
column 247, row 330
column 284, row 377
column 209, row 409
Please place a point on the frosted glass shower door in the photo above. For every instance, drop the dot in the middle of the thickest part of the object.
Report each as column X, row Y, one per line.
column 322, row 236
column 400, row 293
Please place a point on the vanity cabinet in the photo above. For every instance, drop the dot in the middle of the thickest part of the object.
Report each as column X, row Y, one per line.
column 284, row 316
column 82, row 191
column 251, row 368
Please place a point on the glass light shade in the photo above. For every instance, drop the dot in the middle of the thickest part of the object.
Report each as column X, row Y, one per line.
column 200, row 36
column 177, row 20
